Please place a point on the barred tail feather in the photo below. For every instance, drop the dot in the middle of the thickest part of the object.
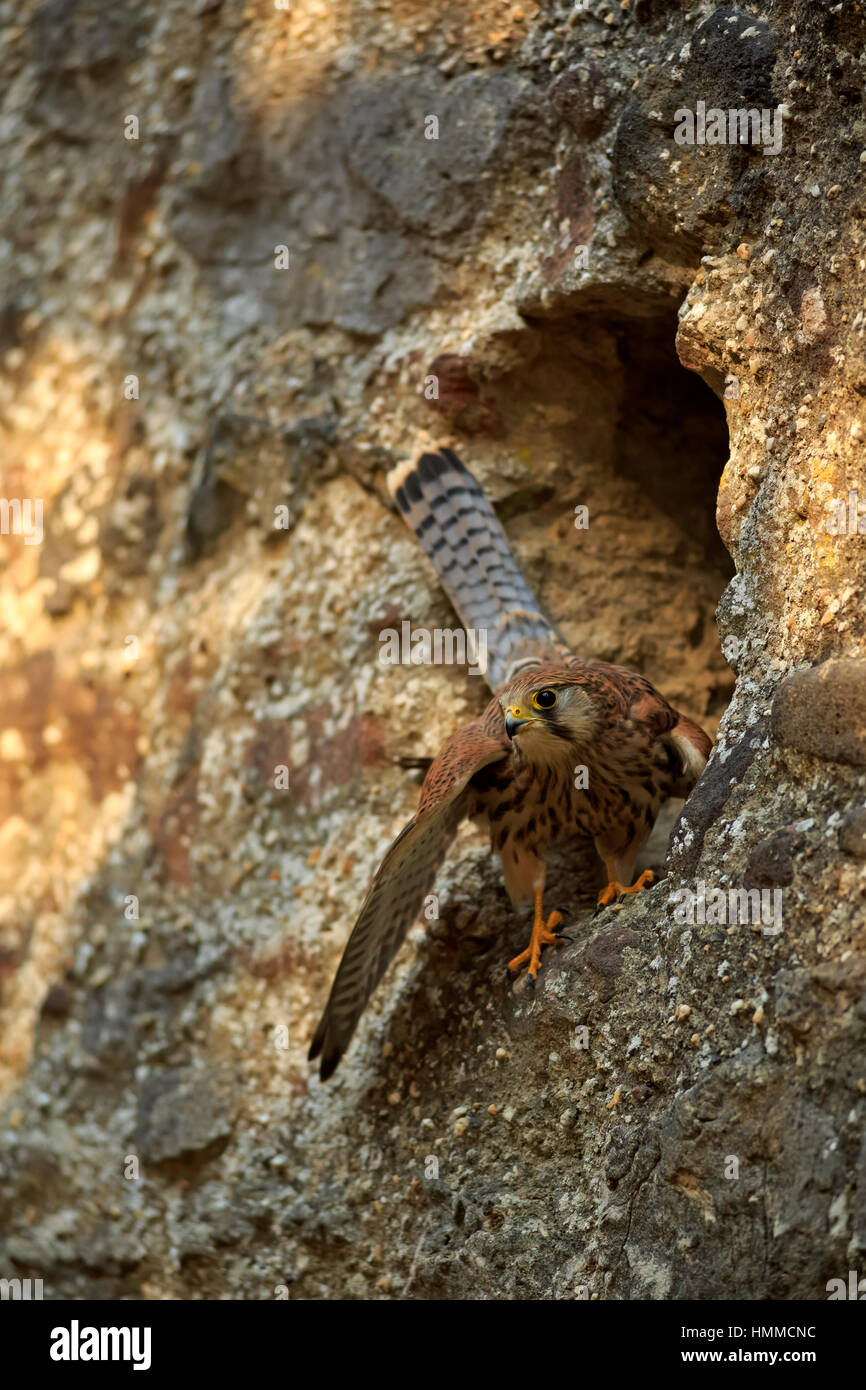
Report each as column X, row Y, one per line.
column 449, row 513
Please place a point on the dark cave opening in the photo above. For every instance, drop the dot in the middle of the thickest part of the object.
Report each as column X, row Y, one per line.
column 677, row 422
column 601, row 414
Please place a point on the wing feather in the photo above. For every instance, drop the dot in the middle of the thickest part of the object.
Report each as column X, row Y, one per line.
column 693, row 748
column 402, row 882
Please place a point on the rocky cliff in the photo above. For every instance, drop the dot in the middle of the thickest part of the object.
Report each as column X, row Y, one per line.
column 250, row 256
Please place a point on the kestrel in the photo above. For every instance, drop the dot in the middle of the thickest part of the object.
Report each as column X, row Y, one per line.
column 564, row 746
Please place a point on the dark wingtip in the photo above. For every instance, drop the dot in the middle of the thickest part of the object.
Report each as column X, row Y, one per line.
column 330, row 1059
column 316, row 1044
column 329, row 1063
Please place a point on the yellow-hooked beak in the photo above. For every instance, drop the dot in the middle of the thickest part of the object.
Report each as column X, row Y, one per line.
column 516, row 719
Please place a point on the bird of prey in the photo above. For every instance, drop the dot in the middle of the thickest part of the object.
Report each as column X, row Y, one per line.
column 564, row 746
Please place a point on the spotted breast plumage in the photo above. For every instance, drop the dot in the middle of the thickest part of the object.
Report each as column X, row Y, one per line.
column 565, row 745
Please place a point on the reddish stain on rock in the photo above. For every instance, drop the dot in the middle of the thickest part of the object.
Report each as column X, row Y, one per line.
column 460, row 398
column 391, row 617
column 371, row 740
column 337, row 754
column 287, row 960
column 581, row 98
column 268, row 749
column 174, row 828
column 573, row 206
column 97, row 726
column 184, row 688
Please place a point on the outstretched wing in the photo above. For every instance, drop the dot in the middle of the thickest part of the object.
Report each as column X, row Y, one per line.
column 403, row 880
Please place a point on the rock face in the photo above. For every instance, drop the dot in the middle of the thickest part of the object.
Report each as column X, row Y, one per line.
column 248, row 259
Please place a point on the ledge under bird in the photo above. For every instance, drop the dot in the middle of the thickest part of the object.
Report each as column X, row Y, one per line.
column 551, row 715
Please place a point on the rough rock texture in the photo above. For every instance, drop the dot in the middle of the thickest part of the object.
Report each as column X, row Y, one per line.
column 239, row 311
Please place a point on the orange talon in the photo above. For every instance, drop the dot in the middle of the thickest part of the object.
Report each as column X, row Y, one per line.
column 541, row 936
column 615, row 889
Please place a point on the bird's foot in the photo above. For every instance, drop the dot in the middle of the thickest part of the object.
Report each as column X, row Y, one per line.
column 541, row 936
column 615, row 891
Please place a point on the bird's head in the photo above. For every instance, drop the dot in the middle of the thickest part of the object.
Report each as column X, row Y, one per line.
column 545, row 717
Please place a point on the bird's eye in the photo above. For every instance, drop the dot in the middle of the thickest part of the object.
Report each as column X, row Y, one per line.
column 544, row 699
